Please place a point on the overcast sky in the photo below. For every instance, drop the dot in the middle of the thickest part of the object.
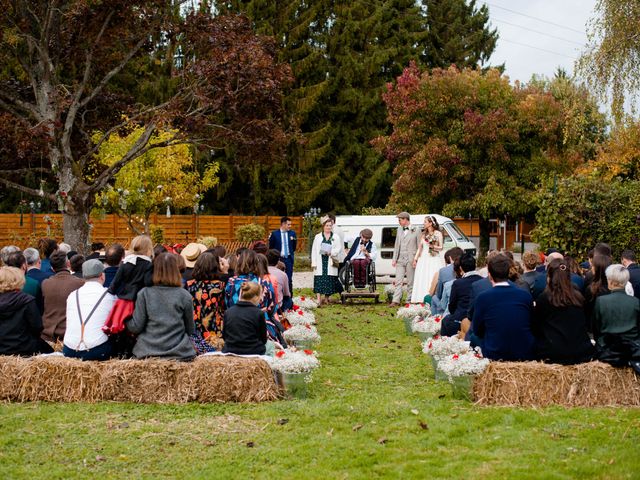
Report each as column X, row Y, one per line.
column 538, row 36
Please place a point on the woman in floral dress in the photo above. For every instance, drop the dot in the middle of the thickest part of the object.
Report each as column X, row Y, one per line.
column 207, row 291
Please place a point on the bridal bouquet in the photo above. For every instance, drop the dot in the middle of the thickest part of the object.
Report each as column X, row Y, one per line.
column 300, row 317
column 429, row 325
column 304, row 302
column 389, row 291
column 441, row 347
column 412, row 310
column 305, row 334
column 462, row 364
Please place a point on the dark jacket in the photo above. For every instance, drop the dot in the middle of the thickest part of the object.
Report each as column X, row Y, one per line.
column 20, row 324
column 39, row 275
column 634, row 278
column 616, row 314
column 109, row 275
column 130, row 279
column 502, row 319
column 541, row 283
column 561, row 334
column 275, row 241
column 461, row 296
column 244, row 330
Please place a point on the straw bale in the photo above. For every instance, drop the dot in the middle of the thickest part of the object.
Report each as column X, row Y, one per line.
column 10, row 368
column 237, row 379
column 535, row 384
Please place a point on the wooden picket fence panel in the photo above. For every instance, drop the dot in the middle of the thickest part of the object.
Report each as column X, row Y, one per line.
column 111, row 228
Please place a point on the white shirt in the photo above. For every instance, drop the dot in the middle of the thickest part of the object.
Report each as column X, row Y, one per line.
column 284, row 240
column 89, row 294
column 359, row 255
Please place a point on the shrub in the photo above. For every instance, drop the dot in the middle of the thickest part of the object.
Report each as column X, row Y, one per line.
column 250, row 233
column 210, row 242
column 580, row 211
column 157, row 234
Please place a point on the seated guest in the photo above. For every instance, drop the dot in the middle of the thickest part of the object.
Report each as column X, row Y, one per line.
column 20, row 321
column 444, row 275
column 163, row 315
column 576, row 273
column 6, row 251
column 190, row 253
column 530, row 262
column 87, row 310
column 460, row 294
column 502, row 316
column 47, row 246
column 55, row 291
column 245, row 329
column 33, row 265
column 596, row 285
column 75, row 263
column 207, row 293
column 616, row 321
column 362, row 253
column 558, row 319
column 283, row 294
column 629, row 261
column 31, row 285
column 113, row 258
column 541, row 281
column 96, row 249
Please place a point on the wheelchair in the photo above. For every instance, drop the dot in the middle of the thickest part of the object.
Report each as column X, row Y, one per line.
column 345, row 275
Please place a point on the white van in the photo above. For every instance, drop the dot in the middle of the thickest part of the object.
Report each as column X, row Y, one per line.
column 385, row 228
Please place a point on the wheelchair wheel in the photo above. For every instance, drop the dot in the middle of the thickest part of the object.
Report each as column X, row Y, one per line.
column 345, row 277
column 372, row 277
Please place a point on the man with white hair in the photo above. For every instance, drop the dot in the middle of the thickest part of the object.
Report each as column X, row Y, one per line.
column 6, row 251
column 33, row 265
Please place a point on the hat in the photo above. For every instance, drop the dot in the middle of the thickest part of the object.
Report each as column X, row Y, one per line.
column 404, row 215
column 324, row 219
column 191, row 252
column 92, row 268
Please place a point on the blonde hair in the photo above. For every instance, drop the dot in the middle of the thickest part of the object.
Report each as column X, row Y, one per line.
column 142, row 245
column 11, row 279
column 250, row 291
column 530, row 259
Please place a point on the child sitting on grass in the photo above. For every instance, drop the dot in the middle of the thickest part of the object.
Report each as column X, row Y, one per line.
column 244, row 329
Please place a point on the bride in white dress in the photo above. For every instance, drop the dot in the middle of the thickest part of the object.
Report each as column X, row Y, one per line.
column 428, row 260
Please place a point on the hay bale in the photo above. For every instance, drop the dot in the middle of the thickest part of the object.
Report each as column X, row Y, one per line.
column 236, row 379
column 148, row 381
column 10, row 368
column 535, row 384
column 59, row 379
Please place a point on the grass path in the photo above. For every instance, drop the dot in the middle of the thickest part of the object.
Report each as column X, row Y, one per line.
column 373, row 412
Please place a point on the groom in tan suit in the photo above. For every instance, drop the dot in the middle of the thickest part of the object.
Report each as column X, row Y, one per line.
column 407, row 242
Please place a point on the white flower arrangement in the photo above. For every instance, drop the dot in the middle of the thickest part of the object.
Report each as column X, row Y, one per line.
column 300, row 317
column 292, row 360
column 441, row 347
column 430, row 324
column 302, row 333
column 412, row 310
column 305, row 303
column 458, row 365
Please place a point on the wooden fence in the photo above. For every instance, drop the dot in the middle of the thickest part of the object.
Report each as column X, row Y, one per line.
column 25, row 230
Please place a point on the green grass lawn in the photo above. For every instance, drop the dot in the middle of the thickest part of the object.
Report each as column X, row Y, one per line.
column 373, row 412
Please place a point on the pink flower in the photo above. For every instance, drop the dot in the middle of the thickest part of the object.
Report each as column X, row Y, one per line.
column 308, row 352
column 302, row 298
column 437, row 319
column 301, row 313
column 456, row 356
column 280, row 353
column 430, row 345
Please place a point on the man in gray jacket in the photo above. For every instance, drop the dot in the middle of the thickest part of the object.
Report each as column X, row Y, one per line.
column 407, row 241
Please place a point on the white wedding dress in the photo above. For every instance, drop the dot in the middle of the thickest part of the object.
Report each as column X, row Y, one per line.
column 426, row 268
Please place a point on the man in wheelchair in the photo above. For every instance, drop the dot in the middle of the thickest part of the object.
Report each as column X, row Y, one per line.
column 361, row 254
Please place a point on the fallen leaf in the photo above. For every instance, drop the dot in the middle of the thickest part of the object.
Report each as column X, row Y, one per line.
column 123, row 425
column 357, row 427
column 382, row 440
column 251, row 444
column 612, row 461
column 283, row 421
column 414, row 411
column 455, row 415
column 330, row 433
column 423, row 425
column 100, row 458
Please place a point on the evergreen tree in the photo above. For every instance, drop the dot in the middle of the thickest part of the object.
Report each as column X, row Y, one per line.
column 457, row 33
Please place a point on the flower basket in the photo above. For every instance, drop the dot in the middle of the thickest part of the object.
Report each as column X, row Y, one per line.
column 389, row 291
column 424, row 336
column 438, row 375
column 412, row 311
column 303, row 334
column 296, row 384
column 300, row 316
column 426, row 327
column 303, row 302
column 408, row 323
column 462, row 387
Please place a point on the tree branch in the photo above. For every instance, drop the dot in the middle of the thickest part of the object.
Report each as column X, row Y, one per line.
column 25, row 170
column 15, row 102
column 27, row 190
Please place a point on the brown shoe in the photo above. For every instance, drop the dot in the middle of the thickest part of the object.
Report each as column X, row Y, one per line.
column 394, row 304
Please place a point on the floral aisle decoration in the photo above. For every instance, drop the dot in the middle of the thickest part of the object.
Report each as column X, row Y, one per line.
column 389, row 291
column 440, row 347
column 294, row 368
column 302, row 336
column 300, row 317
column 305, row 303
column 426, row 327
column 460, row 369
column 410, row 311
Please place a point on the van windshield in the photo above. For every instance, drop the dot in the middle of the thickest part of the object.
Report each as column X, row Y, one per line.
column 456, row 233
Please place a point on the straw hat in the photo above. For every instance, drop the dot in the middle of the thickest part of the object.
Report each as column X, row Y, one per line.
column 191, row 252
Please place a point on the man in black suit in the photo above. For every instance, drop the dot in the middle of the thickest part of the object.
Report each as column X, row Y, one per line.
column 460, row 295
column 285, row 241
column 629, row 261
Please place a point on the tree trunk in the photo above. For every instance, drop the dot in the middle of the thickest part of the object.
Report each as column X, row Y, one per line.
column 75, row 220
column 485, row 233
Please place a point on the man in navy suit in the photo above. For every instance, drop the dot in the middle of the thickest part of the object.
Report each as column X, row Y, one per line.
column 629, row 261
column 460, row 295
column 33, row 265
column 285, row 241
column 502, row 316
